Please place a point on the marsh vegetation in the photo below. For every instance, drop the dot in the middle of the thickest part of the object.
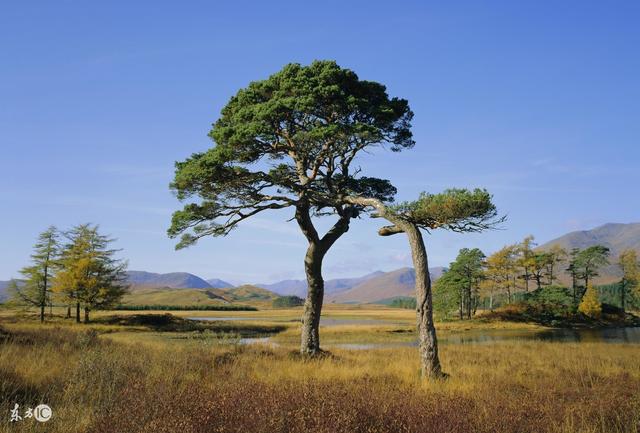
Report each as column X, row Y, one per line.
column 160, row 373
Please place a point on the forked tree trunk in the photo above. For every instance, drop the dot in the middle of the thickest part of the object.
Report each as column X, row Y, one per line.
column 318, row 247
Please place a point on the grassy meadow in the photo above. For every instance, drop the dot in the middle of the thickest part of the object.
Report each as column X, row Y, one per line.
column 147, row 372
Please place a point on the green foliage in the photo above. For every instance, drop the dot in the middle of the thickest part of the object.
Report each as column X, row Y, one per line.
column 288, row 302
column 446, row 295
column 458, row 287
column 458, row 210
column 221, row 307
column 588, row 261
column 303, row 125
column 35, row 287
column 404, row 302
column 554, row 300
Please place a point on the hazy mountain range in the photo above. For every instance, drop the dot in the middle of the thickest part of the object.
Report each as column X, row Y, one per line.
column 617, row 237
column 3, row 290
column 373, row 287
column 299, row 287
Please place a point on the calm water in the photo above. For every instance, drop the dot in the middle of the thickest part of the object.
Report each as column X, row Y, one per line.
column 323, row 321
column 614, row 335
column 611, row 335
column 486, row 336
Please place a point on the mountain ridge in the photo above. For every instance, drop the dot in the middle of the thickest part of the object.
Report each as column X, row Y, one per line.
column 615, row 236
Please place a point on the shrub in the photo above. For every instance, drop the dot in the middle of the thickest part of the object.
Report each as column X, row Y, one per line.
column 288, row 302
column 590, row 305
column 552, row 300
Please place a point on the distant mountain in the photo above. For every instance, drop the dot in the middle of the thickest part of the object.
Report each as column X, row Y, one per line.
column 384, row 286
column 617, row 237
column 299, row 287
column 207, row 296
column 218, row 284
column 4, row 285
column 247, row 292
column 174, row 280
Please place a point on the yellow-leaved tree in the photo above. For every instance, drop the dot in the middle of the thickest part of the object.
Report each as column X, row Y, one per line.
column 590, row 305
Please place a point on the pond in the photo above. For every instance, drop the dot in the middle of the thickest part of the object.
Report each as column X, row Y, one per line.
column 324, row 321
column 609, row 335
column 485, row 336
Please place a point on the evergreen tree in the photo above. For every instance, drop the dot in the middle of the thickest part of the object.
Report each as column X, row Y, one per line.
column 35, row 288
column 589, row 261
column 457, row 210
column 289, row 142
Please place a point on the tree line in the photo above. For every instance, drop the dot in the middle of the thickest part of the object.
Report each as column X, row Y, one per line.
column 75, row 268
column 474, row 279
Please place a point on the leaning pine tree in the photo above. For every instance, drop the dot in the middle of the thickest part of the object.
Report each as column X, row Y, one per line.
column 457, row 210
column 290, row 142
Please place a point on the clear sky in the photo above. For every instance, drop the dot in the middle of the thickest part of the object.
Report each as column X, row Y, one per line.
column 538, row 101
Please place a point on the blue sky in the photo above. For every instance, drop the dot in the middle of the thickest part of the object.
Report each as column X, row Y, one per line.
column 538, row 101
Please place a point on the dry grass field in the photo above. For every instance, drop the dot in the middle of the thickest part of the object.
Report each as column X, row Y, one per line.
column 127, row 376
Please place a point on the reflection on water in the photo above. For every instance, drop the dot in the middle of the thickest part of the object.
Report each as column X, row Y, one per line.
column 324, row 321
column 609, row 335
column 483, row 336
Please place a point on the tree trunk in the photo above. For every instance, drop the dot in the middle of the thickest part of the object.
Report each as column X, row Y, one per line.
column 427, row 340
column 310, row 339
column 86, row 314
column 42, row 309
column 318, row 247
column 77, row 312
column 623, row 290
column 68, row 311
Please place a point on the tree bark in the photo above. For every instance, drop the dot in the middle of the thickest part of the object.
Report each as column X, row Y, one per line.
column 77, row 312
column 68, row 311
column 427, row 340
column 86, row 314
column 42, row 308
column 318, row 247
column 310, row 338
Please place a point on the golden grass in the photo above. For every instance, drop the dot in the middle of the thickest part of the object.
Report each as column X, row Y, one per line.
column 138, row 380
